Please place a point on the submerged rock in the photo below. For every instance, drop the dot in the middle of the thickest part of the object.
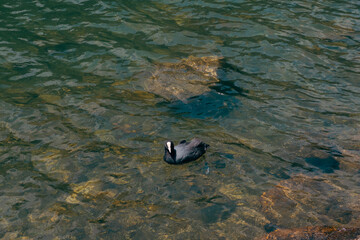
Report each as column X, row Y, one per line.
column 188, row 78
column 314, row 233
column 89, row 191
column 316, row 200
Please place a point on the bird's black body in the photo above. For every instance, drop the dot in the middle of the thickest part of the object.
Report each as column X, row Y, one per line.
column 185, row 151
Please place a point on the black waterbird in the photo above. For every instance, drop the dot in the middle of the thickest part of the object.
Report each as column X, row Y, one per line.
column 185, row 151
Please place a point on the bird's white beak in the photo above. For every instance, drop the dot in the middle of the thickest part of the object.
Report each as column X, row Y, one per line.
column 169, row 146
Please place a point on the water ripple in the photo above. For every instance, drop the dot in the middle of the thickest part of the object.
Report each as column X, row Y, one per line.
column 81, row 138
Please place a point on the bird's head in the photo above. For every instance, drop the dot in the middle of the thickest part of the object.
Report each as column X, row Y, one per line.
column 169, row 146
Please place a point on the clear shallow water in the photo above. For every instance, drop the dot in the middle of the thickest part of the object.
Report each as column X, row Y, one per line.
column 81, row 139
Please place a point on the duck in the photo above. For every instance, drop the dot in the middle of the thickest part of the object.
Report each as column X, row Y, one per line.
column 184, row 152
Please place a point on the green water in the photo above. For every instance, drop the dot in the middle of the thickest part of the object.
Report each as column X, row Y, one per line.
column 81, row 139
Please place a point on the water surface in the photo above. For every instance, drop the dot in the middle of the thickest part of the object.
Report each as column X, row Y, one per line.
column 81, row 139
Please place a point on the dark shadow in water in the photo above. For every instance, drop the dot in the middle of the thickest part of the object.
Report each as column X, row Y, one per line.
column 18, row 97
column 270, row 227
column 213, row 209
column 216, row 212
column 207, row 105
column 327, row 165
column 226, row 86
